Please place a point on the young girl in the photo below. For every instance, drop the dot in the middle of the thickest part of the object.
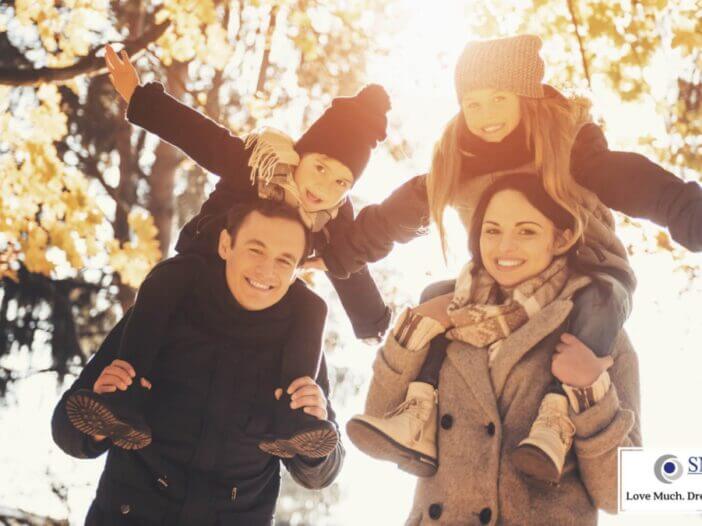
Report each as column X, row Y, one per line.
column 498, row 374
column 313, row 175
column 509, row 121
column 510, row 280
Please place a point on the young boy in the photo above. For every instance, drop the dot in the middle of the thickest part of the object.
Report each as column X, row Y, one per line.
column 313, row 175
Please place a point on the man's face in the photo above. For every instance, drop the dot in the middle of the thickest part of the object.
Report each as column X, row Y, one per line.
column 491, row 114
column 261, row 264
column 323, row 182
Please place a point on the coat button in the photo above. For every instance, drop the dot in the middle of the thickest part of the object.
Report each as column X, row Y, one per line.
column 446, row 421
column 435, row 511
column 485, row 515
column 125, row 508
column 163, row 482
column 490, row 430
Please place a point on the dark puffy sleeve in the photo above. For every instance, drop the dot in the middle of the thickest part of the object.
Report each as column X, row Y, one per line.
column 632, row 184
column 401, row 217
column 318, row 473
column 67, row 437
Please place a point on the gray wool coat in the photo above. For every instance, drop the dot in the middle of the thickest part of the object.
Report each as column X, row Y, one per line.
column 491, row 409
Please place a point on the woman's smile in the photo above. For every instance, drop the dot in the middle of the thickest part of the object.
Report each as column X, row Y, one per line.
column 506, row 265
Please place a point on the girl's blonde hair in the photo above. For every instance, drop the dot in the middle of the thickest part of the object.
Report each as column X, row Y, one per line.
column 550, row 126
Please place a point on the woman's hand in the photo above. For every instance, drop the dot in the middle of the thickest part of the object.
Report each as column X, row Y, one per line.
column 437, row 309
column 122, row 74
column 575, row 364
column 307, row 394
column 315, row 264
column 117, row 375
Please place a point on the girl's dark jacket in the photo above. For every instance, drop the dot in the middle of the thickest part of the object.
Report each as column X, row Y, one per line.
column 215, row 374
column 624, row 181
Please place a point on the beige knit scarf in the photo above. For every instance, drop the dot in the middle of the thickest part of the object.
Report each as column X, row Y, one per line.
column 272, row 163
column 481, row 321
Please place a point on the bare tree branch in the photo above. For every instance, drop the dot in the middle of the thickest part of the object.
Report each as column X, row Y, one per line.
column 90, row 64
column 581, row 44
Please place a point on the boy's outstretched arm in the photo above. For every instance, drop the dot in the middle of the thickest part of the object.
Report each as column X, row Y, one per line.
column 209, row 144
column 401, row 217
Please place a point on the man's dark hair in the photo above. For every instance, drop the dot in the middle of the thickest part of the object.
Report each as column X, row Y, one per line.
column 273, row 209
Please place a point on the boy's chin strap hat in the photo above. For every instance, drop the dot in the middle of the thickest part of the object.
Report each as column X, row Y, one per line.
column 349, row 129
column 510, row 64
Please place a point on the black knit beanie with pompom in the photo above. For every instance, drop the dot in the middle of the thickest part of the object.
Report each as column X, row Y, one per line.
column 349, row 129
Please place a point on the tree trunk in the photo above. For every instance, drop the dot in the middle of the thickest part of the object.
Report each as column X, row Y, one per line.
column 162, row 178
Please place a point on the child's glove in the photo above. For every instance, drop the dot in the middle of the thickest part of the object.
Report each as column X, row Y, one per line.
column 122, row 74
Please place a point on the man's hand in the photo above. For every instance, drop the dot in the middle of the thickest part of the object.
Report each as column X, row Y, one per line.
column 307, row 394
column 117, row 375
column 122, row 74
column 575, row 364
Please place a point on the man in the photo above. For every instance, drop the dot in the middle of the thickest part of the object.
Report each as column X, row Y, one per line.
column 213, row 382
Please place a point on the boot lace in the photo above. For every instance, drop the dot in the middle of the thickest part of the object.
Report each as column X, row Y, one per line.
column 414, row 407
column 557, row 421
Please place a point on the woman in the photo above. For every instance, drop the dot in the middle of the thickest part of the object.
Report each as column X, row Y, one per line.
column 488, row 398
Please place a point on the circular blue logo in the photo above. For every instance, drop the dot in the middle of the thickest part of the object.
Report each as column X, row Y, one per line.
column 668, row 469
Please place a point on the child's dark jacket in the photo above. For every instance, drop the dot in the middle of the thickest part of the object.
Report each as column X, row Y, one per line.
column 215, row 372
column 216, row 149
column 624, row 181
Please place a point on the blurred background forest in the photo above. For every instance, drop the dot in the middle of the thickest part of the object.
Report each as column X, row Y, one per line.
column 88, row 204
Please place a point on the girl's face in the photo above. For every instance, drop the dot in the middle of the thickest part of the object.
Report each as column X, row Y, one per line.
column 323, row 182
column 517, row 241
column 491, row 114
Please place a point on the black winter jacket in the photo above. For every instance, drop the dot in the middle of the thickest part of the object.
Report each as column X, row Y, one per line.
column 214, row 374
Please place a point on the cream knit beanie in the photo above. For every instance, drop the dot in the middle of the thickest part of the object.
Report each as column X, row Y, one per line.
column 511, row 64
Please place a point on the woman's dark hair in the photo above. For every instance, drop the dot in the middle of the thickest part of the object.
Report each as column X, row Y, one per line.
column 530, row 186
column 268, row 208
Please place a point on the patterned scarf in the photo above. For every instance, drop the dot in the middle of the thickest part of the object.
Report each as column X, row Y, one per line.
column 479, row 316
column 272, row 163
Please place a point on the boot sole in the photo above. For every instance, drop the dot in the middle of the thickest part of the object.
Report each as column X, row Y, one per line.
column 380, row 446
column 531, row 461
column 92, row 418
column 313, row 444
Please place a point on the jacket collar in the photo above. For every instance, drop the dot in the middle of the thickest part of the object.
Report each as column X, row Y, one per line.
column 486, row 383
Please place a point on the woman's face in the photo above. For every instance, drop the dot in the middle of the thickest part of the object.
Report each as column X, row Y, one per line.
column 491, row 114
column 517, row 241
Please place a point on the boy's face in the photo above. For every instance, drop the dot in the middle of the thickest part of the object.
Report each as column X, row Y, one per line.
column 491, row 114
column 261, row 263
column 323, row 182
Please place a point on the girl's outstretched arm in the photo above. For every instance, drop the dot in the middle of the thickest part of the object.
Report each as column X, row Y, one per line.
column 632, row 184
